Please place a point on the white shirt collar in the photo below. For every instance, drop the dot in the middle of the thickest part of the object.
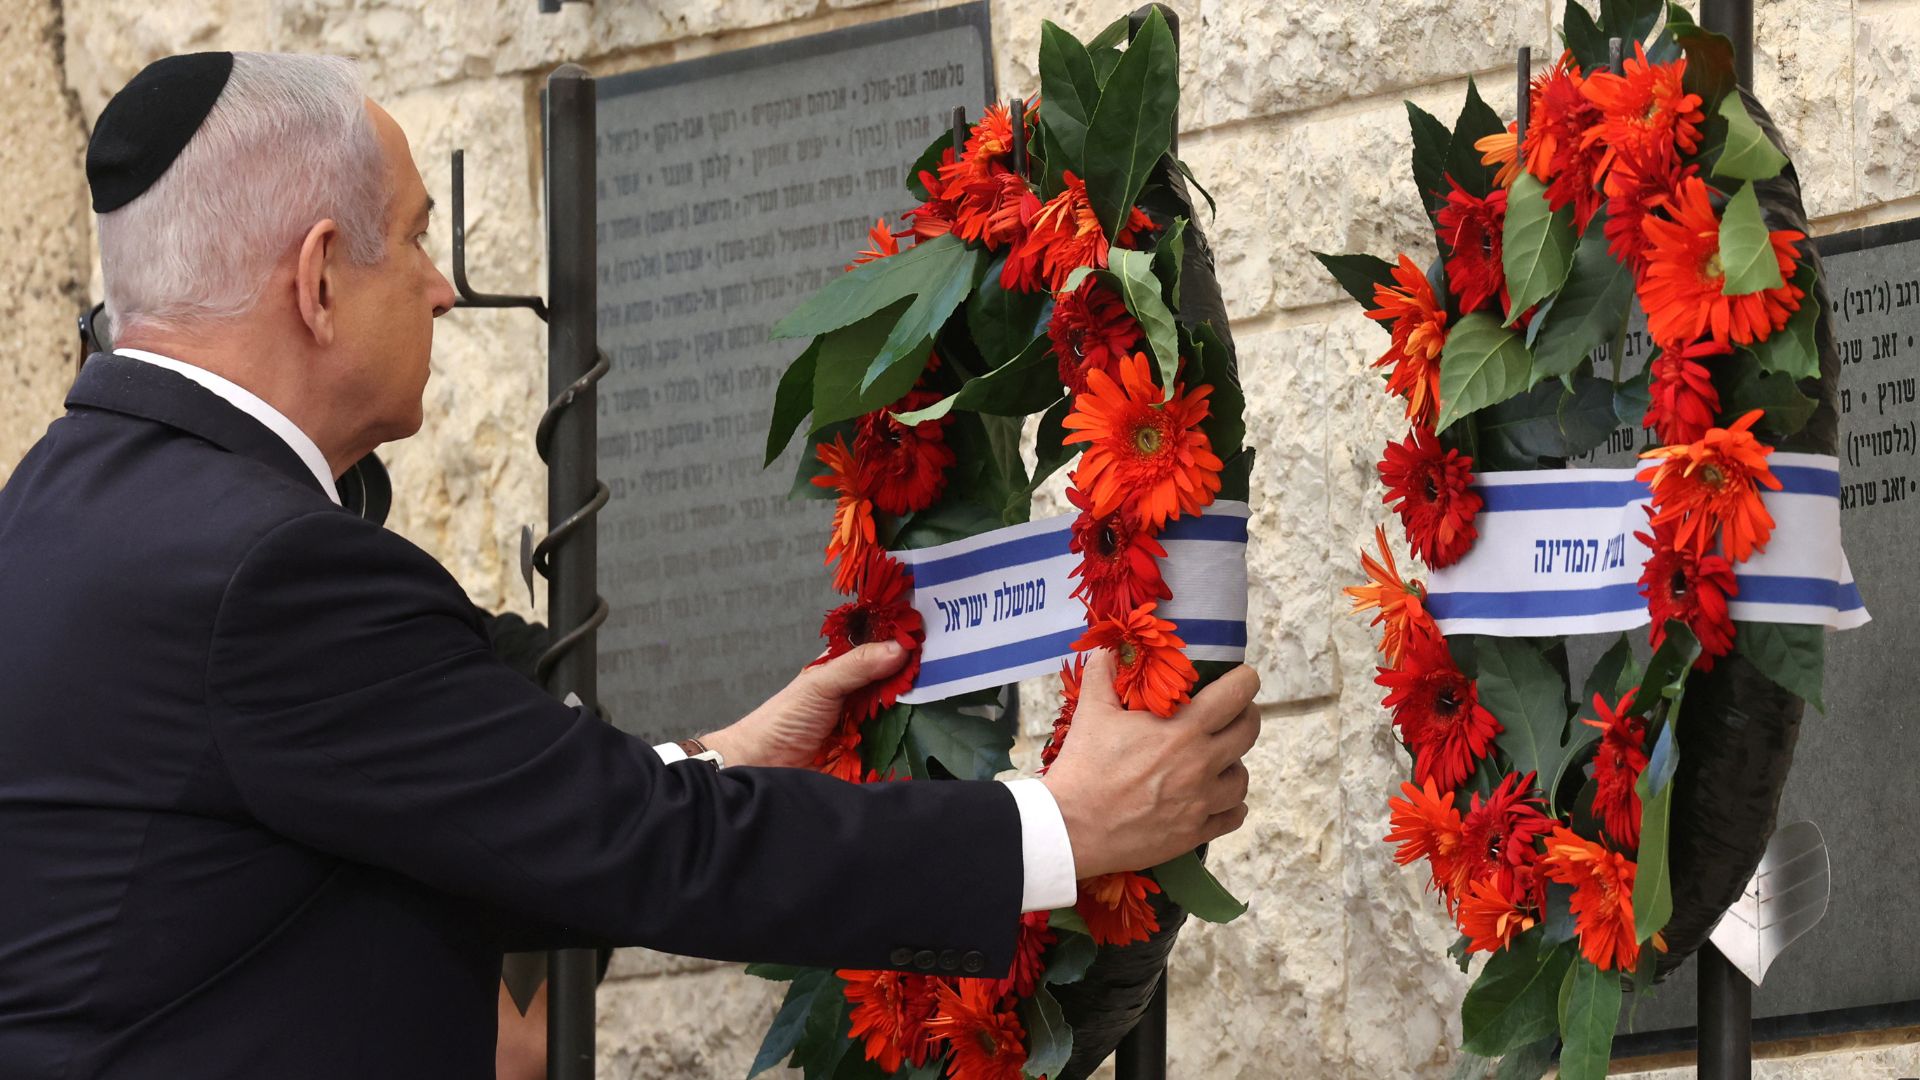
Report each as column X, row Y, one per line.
column 250, row 403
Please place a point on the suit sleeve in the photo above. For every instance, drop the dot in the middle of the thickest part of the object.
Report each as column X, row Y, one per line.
column 359, row 710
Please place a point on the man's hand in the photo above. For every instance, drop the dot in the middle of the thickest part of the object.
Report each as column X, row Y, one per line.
column 1135, row 789
column 789, row 729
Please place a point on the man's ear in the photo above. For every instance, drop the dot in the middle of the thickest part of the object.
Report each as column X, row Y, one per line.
column 316, row 280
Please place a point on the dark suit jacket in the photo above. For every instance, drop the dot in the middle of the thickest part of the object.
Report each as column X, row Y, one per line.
column 270, row 808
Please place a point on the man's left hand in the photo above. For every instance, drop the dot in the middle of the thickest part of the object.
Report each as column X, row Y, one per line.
column 790, row 728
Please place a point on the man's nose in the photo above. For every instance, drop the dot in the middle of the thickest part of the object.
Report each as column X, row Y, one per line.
column 441, row 293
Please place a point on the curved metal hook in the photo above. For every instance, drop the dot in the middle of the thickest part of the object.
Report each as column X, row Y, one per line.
column 468, row 297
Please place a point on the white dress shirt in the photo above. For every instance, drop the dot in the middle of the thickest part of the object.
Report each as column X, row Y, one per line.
column 1046, row 853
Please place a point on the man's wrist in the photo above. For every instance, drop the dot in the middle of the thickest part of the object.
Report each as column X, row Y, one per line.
column 724, row 743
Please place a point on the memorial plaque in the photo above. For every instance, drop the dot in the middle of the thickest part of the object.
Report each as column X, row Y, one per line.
column 730, row 188
column 1852, row 770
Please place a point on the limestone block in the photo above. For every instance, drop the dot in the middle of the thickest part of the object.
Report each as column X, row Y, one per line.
column 647, row 964
column 46, row 235
column 470, row 479
column 1803, row 71
column 1901, row 1060
column 1237, row 168
column 1886, row 102
column 701, row 1026
column 109, row 43
column 1274, row 59
column 1016, row 43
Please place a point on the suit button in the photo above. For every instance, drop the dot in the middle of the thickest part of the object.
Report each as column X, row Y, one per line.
column 902, row 956
column 924, row 959
column 973, row 963
column 949, row 961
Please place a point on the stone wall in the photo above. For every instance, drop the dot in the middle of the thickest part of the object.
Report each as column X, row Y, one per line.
column 1293, row 119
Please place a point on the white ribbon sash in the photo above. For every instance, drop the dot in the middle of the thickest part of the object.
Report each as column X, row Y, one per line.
column 999, row 607
column 1557, row 555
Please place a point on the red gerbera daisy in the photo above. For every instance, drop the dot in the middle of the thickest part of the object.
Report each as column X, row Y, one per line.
column 882, row 243
column 881, row 612
column 1419, row 334
column 1498, row 837
column 1116, row 909
column 1063, row 236
column 1029, row 956
column 935, row 216
column 1142, row 450
column 1602, row 883
column 890, row 1014
column 840, row 755
column 1439, row 714
column 1691, row 588
column 1432, row 491
column 1617, row 765
column 1711, row 487
column 1071, row 672
column 994, row 211
column 1119, row 560
column 1555, row 151
column 1471, row 227
column 1491, row 919
column 1091, row 330
column 1644, row 110
column 1427, row 826
column 987, row 1040
column 1638, row 183
column 1151, row 669
column 1683, row 289
column 906, row 465
column 853, row 530
column 1683, row 401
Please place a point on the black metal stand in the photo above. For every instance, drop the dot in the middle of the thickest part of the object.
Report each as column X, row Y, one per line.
column 1143, row 1052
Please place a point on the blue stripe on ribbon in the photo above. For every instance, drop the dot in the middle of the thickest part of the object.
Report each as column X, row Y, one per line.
column 1544, row 604
column 999, row 658
column 1227, row 527
column 1807, row 480
column 993, row 557
column 1601, row 494
column 1814, row 592
column 1226, row 633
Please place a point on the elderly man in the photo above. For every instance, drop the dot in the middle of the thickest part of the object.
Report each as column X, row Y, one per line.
column 268, row 805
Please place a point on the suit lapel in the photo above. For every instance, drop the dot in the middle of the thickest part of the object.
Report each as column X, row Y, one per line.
column 130, row 387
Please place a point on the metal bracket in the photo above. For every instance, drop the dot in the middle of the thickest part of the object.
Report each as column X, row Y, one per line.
column 468, row 297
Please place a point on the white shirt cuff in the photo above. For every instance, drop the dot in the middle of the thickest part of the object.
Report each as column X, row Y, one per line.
column 670, row 752
column 1046, row 854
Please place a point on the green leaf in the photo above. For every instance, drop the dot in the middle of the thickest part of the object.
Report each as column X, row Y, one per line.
column 1791, row 350
column 1587, row 1020
column 1111, row 35
column 1793, row 656
column 1746, row 388
column 1188, row 883
column 1586, row 414
column 1131, row 275
column 1513, row 1001
column 1187, row 174
column 789, row 1024
column 840, row 363
column 1528, row 697
column 1631, row 397
column 1105, row 61
column 1613, row 674
column 1236, row 476
column 1024, row 385
column 1536, row 246
column 931, row 268
column 1477, row 121
column 1530, row 1062
column 1458, row 951
column 1068, row 960
column 1589, row 309
column 1709, row 57
column 928, row 161
column 1068, row 919
column 1133, row 123
column 1749, row 154
column 967, row 746
column 1653, row 880
column 775, row 972
column 1668, row 667
column 1069, row 90
column 1559, row 925
column 1049, row 1038
column 1049, row 452
column 823, row 1044
column 1482, row 364
column 810, row 466
column 1003, row 321
column 1169, row 257
column 1226, row 424
column 1585, row 38
column 1358, row 274
column 792, row 401
column 1430, row 141
column 947, row 521
column 1629, row 20
column 881, row 736
column 1520, row 431
column 1746, row 254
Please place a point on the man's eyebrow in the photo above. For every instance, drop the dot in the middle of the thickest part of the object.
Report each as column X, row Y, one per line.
column 426, row 211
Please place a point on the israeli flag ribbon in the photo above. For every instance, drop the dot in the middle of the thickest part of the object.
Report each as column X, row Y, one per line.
column 999, row 607
column 1556, row 555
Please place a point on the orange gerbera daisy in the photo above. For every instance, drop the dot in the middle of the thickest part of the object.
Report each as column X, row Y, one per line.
column 1427, row 826
column 989, row 144
column 1119, row 560
column 1419, row 334
column 1554, row 149
column 1683, row 289
column 883, row 611
column 1503, row 149
column 882, row 243
column 1029, row 956
column 890, row 1014
column 935, row 216
column 1141, row 449
column 1682, row 402
column 1602, row 883
column 1401, row 604
column 1713, row 486
column 1063, row 236
column 1116, row 909
column 1071, row 672
column 906, row 465
column 1644, row 110
column 1491, row 919
column 987, row 1040
column 1091, row 330
column 1151, row 670
column 994, row 211
column 1438, row 712
column 1617, row 766
column 853, row 531
column 840, row 756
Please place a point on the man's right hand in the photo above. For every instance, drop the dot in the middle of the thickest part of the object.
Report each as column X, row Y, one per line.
column 1135, row 789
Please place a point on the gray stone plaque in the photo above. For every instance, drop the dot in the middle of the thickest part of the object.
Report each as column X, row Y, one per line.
column 730, row 188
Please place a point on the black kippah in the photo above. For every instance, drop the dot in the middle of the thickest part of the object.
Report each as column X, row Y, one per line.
column 146, row 125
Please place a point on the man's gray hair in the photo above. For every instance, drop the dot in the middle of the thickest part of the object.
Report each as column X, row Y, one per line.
column 288, row 144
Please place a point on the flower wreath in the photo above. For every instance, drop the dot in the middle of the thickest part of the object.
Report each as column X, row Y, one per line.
column 1042, row 273
column 1548, row 825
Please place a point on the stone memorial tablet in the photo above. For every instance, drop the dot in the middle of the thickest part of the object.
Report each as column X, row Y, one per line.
column 730, row 188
